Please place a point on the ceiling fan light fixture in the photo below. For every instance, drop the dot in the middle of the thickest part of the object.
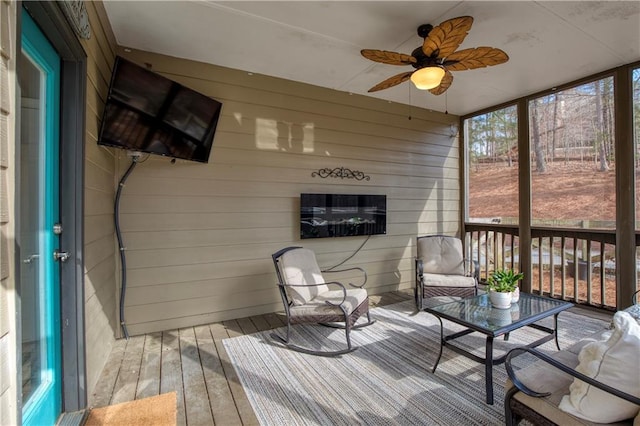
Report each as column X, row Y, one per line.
column 437, row 57
column 428, row 77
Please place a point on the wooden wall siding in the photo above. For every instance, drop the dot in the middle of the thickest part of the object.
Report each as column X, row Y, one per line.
column 8, row 363
column 199, row 237
column 101, row 321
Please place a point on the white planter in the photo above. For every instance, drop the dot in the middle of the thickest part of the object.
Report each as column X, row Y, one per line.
column 515, row 295
column 500, row 300
column 500, row 317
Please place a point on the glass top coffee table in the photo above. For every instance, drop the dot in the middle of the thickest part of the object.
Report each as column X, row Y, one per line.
column 477, row 314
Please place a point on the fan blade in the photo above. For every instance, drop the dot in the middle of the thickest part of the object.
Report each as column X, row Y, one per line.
column 479, row 57
column 386, row 57
column 444, row 84
column 446, row 37
column 392, row 81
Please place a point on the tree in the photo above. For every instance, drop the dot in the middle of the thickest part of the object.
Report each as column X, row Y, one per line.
column 600, row 129
column 541, row 165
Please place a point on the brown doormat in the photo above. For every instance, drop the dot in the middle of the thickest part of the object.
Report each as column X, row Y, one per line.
column 157, row 410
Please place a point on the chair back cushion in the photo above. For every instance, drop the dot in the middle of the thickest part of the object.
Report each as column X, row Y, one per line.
column 299, row 266
column 441, row 255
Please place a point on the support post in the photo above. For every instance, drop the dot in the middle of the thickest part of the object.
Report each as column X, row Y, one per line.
column 625, row 189
column 524, row 195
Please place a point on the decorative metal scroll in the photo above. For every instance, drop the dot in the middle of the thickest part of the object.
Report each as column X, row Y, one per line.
column 76, row 13
column 342, row 173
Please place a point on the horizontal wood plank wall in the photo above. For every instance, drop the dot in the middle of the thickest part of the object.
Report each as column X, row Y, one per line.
column 199, row 237
column 8, row 350
column 101, row 321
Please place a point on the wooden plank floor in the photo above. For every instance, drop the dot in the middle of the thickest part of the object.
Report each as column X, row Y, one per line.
column 193, row 362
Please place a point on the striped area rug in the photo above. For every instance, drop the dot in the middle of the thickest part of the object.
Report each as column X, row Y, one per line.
column 388, row 380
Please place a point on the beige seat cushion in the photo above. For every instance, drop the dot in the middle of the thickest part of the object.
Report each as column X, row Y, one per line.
column 318, row 306
column 437, row 280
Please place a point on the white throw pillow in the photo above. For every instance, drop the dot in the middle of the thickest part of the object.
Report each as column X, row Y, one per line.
column 615, row 362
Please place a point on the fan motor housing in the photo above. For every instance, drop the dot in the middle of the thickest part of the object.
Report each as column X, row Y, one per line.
column 424, row 30
column 423, row 60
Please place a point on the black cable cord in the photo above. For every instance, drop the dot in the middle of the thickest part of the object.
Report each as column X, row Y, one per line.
column 353, row 254
column 123, row 261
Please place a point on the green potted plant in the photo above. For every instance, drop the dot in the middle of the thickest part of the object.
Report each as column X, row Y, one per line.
column 502, row 285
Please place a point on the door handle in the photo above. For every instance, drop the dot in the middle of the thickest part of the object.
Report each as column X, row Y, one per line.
column 30, row 259
column 61, row 256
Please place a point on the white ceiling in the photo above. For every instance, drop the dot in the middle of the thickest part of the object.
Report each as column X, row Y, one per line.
column 318, row 42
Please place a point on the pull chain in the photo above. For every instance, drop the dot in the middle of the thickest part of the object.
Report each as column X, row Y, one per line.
column 446, row 103
column 409, row 86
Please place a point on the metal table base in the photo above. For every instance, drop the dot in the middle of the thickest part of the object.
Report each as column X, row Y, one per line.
column 489, row 361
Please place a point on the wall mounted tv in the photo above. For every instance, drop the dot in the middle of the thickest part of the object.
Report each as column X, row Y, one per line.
column 150, row 113
column 342, row 215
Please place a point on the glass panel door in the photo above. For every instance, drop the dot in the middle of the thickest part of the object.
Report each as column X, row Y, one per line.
column 38, row 79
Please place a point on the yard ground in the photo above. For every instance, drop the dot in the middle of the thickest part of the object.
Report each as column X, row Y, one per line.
column 573, row 194
column 574, row 191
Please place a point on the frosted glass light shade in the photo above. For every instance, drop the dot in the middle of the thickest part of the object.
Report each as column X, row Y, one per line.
column 427, row 78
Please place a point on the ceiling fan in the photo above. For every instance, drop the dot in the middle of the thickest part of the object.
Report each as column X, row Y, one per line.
column 437, row 57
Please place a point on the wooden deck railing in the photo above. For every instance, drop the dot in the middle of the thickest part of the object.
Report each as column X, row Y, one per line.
column 570, row 264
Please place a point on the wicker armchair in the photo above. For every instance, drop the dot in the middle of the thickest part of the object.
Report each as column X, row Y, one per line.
column 540, row 407
column 552, row 375
column 441, row 269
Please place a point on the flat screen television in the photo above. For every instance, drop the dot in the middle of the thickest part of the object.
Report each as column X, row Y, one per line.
column 147, row 112
column 342, row 215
